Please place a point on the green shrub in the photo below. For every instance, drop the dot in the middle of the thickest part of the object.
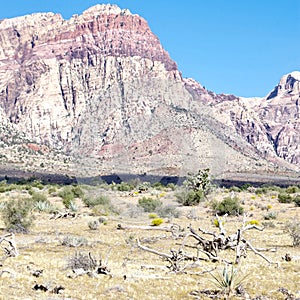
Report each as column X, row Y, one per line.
column 285, row 198
column 297, row 200
column 230, row 206
column 38, row 197
column 124, row 187
column 246, row 186
column 292, row 189
column 100, row 200
column 77, row 191
column 152, row 215
column 66, row 194
column 17, row 215
column 157, row 221
column 149, row 204
column 171, row 186
column 68, row 203
column 37, row 184
column 264, row 189
column 52, row 190
column 235, row 189
column 189, row 197
column 158, row 186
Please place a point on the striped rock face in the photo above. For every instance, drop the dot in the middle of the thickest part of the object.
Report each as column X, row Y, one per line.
column 101, row 88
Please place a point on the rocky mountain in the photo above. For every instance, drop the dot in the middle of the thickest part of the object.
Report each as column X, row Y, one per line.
column 100, row 90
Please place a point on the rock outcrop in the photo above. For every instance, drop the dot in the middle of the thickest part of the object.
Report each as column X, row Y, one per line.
column 100, row 88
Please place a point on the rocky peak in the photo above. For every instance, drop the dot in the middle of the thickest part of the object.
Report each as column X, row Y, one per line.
column 108, row 9
column 289, row 85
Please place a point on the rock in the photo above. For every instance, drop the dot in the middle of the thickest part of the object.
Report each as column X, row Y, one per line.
column 99, row 88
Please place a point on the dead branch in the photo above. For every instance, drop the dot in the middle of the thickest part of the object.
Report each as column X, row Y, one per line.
column 63, row 215
column 175, row 258
column 130, row 227
column 11, row 249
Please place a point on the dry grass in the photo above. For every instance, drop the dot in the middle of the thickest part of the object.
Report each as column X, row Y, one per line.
column 136, row 274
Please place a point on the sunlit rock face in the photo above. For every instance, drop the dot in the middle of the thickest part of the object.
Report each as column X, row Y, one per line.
column 101, row 88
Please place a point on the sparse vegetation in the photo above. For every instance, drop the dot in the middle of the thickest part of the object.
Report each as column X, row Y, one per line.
column 53, row 237
column 100, row 200
column 271, row 215
column 196, row 188
column 285, row 198
column 228, row 280
column 74, row 241
column 297, row 200
column 292, row 227
column 157, row 221
column 17, row 215
column 149, row 204
column 228, row 205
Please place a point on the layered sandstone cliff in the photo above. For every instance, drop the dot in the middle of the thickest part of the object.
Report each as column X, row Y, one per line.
column 101, row 88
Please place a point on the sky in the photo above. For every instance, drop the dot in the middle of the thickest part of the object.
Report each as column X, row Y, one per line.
column 240, row 47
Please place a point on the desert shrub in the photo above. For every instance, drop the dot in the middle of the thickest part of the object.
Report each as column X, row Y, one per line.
column 246, row 186
column 124, row 187
column 17, row 215
column 157, row 221
column 77, row 191
column 100, row 200
column 188, row 197
column 37, row 184
column 167, row 211
column 235, row 189
column 285, row 198
column 171, row 186
column 93, row 225
column 149, row 204
column 82, row 261
column 4, row 187
column 230, row 206
column 158, row 186
column 66, row 194
column 143, row 187
column 38, row 197
column 292, row 227
column 52, row 190
column 133, row 211
column 253, row 222
column 297, row 200
column 271, row 215
column 74, row 241
column 264, row 189
column 152, row 215
column 292, row 189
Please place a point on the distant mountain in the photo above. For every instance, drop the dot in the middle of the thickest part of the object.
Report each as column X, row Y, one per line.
column 100, row 90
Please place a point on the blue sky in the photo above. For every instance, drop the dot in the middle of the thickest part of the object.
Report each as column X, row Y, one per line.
column 241, row 47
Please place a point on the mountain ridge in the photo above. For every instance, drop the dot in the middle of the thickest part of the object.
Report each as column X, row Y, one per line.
column 100, row 88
